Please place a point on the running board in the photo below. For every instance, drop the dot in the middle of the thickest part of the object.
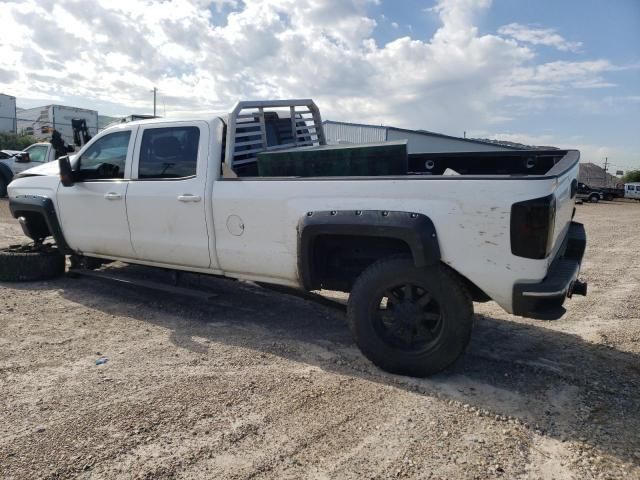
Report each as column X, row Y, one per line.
column 163, row 287
column 305, row 295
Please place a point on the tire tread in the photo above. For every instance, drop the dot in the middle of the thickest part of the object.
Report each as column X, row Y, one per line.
column 30, row 266
column 433, row 362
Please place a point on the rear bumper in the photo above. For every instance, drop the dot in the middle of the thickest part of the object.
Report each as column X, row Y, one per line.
column 544, row 300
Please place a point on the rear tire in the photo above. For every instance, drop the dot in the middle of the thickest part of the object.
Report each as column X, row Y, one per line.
column 409, row 320
column 26, row 263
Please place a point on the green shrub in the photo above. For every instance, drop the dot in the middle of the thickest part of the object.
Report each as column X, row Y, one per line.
column 632, row 176
column 11, row 141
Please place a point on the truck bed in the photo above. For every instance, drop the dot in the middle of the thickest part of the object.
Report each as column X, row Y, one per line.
column 264, row 141
column 502, row 163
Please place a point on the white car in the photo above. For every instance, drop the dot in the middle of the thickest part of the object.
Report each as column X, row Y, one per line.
column 414, row 250
column 14, row 162
column 5, row 154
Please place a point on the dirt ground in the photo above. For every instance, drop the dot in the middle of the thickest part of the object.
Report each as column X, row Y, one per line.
column 257, row 384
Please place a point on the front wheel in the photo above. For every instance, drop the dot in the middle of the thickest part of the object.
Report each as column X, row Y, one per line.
column 594, row 198
column 409, row 320
column 3, row 187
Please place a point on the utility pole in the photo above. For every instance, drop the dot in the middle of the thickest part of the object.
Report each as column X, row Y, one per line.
column 154, row 100
column 606, row 163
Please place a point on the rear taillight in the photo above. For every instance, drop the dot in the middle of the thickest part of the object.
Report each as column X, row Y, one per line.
column 532, row 223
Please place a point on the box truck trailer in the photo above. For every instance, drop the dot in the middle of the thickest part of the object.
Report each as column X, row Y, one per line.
column 41, row 121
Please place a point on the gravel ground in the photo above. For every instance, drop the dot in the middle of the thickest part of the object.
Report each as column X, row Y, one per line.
column 258, row 384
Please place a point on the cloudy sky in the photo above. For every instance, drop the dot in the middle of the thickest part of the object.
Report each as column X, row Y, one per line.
column 546, row 72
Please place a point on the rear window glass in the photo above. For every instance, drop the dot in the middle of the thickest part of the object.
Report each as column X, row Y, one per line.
column 169, row 152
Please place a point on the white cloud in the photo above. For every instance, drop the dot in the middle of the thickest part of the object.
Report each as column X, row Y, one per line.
column 539, row 36
column 113, row 52
column 549, row 79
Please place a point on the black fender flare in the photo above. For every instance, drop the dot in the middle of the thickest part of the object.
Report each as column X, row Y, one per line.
column 415, row 229
column 45, row 207
column 6, row 173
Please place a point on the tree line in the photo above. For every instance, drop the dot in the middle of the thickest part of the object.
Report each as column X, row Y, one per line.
column 631, row 176
column 11, row 141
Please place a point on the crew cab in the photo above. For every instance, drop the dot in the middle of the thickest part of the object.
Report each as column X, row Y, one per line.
column 33, row 155
column 585, row 192
column 413, row 249
column 632, row 190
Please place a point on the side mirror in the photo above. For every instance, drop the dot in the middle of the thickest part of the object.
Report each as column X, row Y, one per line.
column 66, row 172
column 22, row 157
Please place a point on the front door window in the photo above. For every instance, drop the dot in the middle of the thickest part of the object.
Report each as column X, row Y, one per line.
column 38, row 153
column 105, row 159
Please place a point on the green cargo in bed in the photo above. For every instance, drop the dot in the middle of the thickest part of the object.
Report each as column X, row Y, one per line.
column 371, row 159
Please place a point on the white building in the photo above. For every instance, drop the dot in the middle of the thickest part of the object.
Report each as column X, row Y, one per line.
column 7, row 113
column 419, row 141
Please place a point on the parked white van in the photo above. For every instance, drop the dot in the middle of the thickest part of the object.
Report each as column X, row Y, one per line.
column 632, row 190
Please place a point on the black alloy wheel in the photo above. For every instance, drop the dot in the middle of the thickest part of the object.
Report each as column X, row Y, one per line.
column 408, row 317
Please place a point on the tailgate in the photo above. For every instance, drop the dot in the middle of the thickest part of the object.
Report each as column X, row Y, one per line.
column 566, row 185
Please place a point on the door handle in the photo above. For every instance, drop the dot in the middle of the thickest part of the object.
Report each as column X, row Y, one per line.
column 112, row 196
column 187, row 197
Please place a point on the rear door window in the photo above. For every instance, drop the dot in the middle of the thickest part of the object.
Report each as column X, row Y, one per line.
column 170, row 152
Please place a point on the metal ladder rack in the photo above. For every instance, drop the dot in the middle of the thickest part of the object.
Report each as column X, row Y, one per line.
column 247, row 128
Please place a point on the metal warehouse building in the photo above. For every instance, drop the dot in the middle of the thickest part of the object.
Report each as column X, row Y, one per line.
column 7, row 113
column 419, row 141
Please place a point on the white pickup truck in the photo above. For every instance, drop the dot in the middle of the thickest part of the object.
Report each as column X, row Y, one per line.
column 413, row 250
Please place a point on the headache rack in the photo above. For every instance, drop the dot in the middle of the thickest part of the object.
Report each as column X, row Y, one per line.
column 258, row 126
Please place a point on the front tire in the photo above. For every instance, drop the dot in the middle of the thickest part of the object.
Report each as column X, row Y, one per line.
column 409, row 320
column 594, row 198
column 3, row 187
column 26, row 263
